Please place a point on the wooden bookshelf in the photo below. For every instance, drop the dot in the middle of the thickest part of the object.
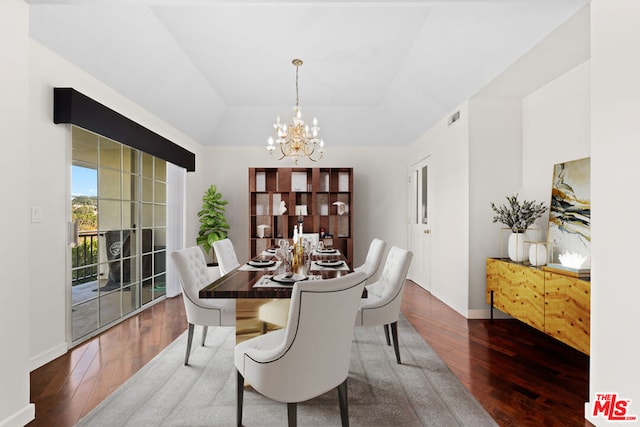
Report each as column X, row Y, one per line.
column 314, row 191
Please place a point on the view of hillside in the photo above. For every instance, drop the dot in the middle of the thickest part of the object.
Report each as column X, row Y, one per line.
column 84, row 211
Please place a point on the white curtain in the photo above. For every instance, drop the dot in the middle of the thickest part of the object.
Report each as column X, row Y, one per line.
column 176, row 193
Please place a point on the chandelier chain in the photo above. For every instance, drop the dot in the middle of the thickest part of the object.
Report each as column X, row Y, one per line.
column 297, row 99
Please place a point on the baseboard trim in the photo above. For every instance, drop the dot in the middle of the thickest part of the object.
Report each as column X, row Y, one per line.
column 47, row 356
column 20, row 418
column 486, row 314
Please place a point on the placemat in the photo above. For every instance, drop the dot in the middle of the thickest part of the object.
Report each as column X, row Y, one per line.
column 266, row 282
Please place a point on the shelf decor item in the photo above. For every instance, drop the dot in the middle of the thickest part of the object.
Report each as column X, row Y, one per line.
column 518, row 217
column 213, row 224
column 261, row 230
column 538, row 254
column 282, row 207
column 572, row 260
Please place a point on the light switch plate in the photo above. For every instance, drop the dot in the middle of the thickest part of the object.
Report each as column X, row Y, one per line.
column 36, row 214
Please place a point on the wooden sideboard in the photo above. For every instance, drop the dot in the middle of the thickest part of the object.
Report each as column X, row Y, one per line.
column 556, row 304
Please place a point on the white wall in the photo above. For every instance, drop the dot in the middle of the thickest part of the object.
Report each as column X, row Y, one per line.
column 15, row 409
column 495, row 171
column 48, row 188
column 475, row 160
column 380, row 199
column 448, row 149
column 556, row 129
column 615, row 175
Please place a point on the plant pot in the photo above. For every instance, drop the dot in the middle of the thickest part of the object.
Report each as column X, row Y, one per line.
column 517, row 249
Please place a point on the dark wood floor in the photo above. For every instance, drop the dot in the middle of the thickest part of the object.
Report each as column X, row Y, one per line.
column 519, row 375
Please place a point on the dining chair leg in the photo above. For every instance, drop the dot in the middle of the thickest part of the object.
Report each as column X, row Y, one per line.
column 239, row 397
column 396, row 347
column 344, row 404
column 189, row 341
column 292, row 413
column 204, row 334
column 386, row 334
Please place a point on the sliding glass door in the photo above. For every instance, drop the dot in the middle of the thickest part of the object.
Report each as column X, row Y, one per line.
column 118, row 255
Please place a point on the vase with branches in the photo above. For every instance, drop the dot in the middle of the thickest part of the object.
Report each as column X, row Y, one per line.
column 518, row 216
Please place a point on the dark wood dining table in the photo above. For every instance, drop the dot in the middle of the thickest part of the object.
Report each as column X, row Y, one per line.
column 239, row 283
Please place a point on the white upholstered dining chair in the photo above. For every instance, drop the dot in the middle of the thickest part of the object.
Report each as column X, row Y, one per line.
column 382, row 305
column 312, row 354
column 275, row 312
column 194, row 275
column 374, row 258
column 225, row 255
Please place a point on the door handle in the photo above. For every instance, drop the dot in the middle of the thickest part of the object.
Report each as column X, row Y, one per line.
column 72, row 233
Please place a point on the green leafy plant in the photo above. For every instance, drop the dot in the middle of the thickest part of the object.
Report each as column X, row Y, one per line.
column 518, row 216
column 213, row 224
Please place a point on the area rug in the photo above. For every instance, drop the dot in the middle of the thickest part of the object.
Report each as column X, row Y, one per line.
column 420, row 392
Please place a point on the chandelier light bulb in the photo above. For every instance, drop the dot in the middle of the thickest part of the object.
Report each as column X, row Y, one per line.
column 270, row 146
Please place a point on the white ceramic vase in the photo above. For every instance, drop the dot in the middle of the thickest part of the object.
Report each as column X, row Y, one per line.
column 518, row 250
column 538, row 254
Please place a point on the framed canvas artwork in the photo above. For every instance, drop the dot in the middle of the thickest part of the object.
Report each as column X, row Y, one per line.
column 570, row 210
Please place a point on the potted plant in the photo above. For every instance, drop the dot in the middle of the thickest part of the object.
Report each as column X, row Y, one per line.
column 518, row 217
column 213, row 224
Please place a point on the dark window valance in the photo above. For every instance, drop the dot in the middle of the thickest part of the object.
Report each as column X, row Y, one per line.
column 71, row 106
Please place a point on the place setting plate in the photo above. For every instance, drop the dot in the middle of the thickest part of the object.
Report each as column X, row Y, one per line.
column 330, row 263
column 326, row 251
column 261, row 263
column 288, row 278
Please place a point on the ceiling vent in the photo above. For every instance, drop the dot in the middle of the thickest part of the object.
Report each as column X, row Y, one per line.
column 454, row 117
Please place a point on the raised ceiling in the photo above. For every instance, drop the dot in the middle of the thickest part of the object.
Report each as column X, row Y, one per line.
column 375, row 73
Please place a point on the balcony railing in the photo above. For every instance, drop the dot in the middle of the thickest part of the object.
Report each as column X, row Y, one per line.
column 84, row 258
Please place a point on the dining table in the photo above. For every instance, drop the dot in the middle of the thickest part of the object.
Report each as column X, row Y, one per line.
column 263, row 280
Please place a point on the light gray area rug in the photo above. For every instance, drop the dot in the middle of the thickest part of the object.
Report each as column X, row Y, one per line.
column 420, row 392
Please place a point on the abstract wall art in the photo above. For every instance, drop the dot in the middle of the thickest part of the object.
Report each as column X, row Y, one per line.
column 570, row 210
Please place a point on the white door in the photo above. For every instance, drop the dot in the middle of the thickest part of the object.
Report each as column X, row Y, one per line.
column 420, row 222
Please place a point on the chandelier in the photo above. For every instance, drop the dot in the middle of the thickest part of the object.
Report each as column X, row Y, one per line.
column 296, row 140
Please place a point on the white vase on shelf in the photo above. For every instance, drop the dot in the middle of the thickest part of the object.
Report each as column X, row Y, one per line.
column 518, row 250
column 538, row 254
